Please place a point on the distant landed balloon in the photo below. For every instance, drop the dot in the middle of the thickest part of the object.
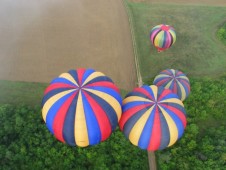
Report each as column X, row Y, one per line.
column 174, row 80
column 162, row 37
column 81, row 107
column 153, row 118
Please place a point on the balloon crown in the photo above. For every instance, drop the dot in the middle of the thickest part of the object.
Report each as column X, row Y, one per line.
column 165, row 27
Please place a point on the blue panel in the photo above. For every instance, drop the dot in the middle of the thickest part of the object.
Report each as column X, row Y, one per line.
column 177, row 121
column 172, row 84
column 170, row 96
column 129, row 105
column 110, row 112
column 179, row 107
column 149, row 90
column 165, row 136
column 62, row 80
column 53, row 93
column 53, row 111
column 147, row 131
column 74, row 74
column 164, row 38
column 160, row 91
column 135, row 93
column 179, row 92
column 87, row 73
column 156, row 81
column 69, row 123
column 132, row 120
column 99, row 79
column 109, row 91
column 93, row 128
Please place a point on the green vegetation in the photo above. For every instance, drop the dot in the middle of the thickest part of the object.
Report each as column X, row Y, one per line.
column 203, row 145
column 197, row 50
column 27, row 144
column 221, row 33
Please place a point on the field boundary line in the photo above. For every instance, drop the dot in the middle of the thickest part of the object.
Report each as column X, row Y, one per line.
column 137, row 65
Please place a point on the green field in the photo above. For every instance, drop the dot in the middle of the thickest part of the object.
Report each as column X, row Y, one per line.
column 197, row 51
column 200, row 54
column 14, row 92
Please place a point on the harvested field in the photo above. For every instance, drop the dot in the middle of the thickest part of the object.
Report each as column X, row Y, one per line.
column 41, row 39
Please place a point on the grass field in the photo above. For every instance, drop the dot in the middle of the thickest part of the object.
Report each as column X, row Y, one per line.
column 197, row 51
column 13, row 92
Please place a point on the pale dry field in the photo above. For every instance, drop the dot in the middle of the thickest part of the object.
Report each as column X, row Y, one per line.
column 40, row 39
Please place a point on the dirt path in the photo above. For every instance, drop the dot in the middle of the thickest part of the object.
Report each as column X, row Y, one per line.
column 41, row 39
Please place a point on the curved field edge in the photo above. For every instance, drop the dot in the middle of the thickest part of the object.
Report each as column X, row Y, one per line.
column 197, row 51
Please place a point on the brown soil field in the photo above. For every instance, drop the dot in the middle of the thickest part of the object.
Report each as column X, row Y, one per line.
column 190, row 2
column 42, row 39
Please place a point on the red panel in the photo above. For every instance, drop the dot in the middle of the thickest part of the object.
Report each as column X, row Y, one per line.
column 58, row 123
column 80, row 73
column 155, row 139
column 142, row 90
column 104, row 84
column 164, row 93
column 177, row 112
column 56, row 86
column 130, row 112
column 104, row 123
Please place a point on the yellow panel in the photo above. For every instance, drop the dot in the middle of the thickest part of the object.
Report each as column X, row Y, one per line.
column 159, row 39
column 183, row 77
column 68, row 77
column 155, row 91
column 162, row 76
column 172, row 100
column 137, row 129
column 80, row 129
column 48, row 104
column 109, row 99
column 172, row 127
column 135, row 98
column 173, row 35
column 168, row 84
column 93, row 76
column 183, row 92
column 173, row 71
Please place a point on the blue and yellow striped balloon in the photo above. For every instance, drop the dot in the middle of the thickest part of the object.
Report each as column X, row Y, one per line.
column 153, row 118
column 81, row 107
column 174, row 80
column 163, row 36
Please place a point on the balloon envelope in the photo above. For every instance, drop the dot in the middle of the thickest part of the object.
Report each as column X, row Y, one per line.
column 81, row 107
column 162, row 36
column 174, row 80
column 153, row 118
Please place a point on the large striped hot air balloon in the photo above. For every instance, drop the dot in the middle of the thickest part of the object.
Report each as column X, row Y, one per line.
column 81, row 107
column 153, row 118
column 162, row 37
column 174, row 80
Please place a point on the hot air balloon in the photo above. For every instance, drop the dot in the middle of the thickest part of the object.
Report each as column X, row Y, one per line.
column 162, row 37
column 174, row 80
column 81, row 107
column 153, row 118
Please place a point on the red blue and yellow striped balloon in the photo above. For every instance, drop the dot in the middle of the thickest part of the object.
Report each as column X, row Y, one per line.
column 81, row 107
column 162, row 36
column 153, row 118
column 174, row 80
